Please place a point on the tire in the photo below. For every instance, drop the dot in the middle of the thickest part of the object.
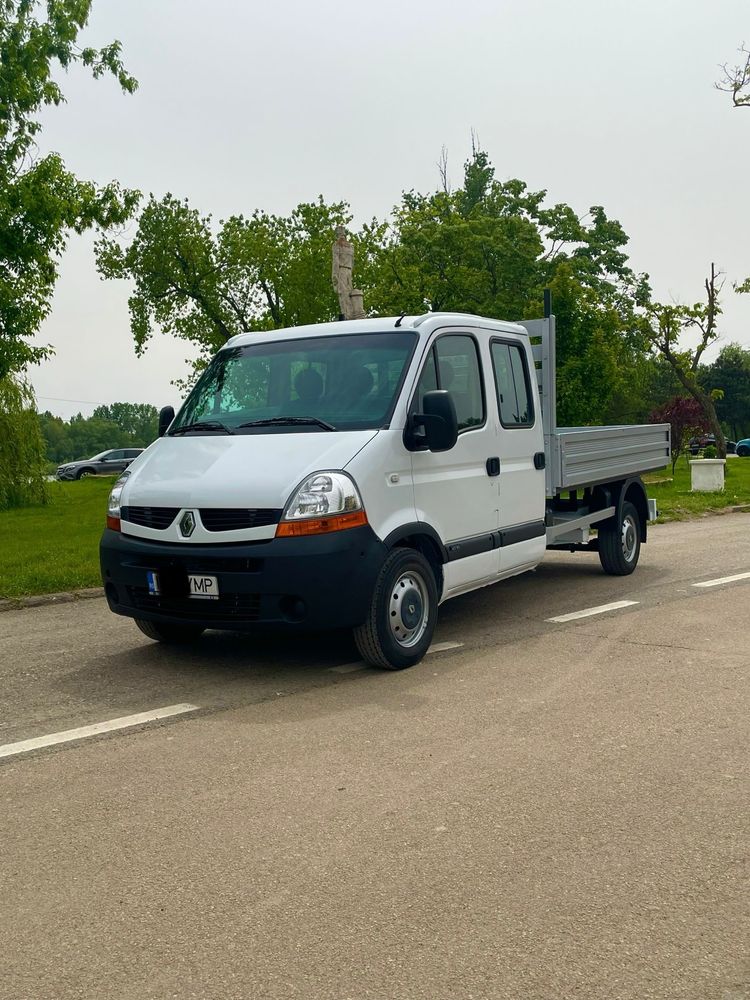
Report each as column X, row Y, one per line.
column 620, row 543
column 166, row 632
column 743, row 451
column 403, row 613
column 85, row 473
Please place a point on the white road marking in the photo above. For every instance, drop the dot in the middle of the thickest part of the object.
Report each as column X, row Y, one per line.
column 437, row 647
column 24, row 746
column 442, row 647
column 723, row 579
column 599, row 610
column 348, row 668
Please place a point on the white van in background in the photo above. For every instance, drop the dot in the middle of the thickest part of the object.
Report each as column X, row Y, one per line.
column 357, row 474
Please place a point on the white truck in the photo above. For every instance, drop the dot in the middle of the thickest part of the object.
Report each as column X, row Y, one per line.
column 358, row 474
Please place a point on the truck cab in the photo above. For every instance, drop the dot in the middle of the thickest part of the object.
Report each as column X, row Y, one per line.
column 351, row 474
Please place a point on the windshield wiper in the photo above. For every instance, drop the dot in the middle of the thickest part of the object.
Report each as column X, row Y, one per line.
column 280, row 421
column 202, row 425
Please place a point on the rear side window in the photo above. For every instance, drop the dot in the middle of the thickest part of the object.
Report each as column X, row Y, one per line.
column 514, row 398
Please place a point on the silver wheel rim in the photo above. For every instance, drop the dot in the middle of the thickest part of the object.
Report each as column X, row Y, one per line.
column 408, row 609
column 84, row 475
column 629, row 538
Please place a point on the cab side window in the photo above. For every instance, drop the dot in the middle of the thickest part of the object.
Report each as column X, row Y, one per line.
column 453, row 364
column 459, row 373
column 427, row 382
column 514, row 397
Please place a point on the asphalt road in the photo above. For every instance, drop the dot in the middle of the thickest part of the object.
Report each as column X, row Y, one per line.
column 548, row 810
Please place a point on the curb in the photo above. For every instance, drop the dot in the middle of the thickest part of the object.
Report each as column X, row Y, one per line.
column 40, row 600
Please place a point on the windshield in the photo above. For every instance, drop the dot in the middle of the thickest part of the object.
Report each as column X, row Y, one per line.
column 317, row 383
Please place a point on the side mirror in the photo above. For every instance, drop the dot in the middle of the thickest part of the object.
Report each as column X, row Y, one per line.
column 166, row 416
column 438, row 419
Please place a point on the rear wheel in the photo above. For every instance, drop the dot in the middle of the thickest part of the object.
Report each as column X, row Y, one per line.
column 620, row 543
column 165, row 632
column 403, row 613
column 743, row 450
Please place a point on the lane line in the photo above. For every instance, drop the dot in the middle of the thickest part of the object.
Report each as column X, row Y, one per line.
column 588, row 612
column 436, row 647
column 442, row 647
column 723, row 579
column 68, row 735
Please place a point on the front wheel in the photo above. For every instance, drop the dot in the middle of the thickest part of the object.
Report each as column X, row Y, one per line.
column 620, row 543
column 743, row 451
column 403, row 613
column 166, row 632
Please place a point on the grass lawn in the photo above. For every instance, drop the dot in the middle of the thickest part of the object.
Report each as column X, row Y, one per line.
column 675, row 501
column 54, row 547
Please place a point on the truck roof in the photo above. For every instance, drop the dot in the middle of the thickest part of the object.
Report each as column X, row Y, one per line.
column 424, row 324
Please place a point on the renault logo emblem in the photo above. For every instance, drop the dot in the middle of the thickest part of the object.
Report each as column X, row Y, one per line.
column 187, row 524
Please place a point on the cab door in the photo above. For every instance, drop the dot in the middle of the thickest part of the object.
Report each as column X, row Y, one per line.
column 522, row 534
column 456, row 491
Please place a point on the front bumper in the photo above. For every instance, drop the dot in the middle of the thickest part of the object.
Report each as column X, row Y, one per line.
column 315, row 582
column 65, row 474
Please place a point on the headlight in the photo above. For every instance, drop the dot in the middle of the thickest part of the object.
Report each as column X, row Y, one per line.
column 326, row 501
column 113, row 504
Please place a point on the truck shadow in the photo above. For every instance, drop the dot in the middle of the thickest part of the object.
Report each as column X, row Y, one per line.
column 223, row 668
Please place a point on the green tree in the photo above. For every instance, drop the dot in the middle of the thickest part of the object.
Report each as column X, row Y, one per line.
column 41, row 201
column 138, row 420
column 21, row 446
column 730, row 375
column 56, row 437
column 90, row 435
column 205, row 283
column 664, row 326
column 491, row 248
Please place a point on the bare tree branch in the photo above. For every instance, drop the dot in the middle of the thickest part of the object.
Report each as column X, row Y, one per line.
column 736, row 80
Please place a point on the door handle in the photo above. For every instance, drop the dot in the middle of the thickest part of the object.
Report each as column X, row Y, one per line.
column 540, row 460
column 493, row 466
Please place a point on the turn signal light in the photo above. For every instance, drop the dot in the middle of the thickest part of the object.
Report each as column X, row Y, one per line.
column 113, row 522
column 321, row 525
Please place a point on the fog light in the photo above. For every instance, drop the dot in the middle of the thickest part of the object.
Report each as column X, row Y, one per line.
column 293, row 608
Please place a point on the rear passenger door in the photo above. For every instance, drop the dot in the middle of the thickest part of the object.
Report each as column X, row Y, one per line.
column 454, row 491
column 522, row 487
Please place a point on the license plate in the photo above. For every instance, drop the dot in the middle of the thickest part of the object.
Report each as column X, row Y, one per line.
column 205, row 587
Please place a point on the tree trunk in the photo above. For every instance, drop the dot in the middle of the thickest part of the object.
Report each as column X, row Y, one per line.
column 706, row 402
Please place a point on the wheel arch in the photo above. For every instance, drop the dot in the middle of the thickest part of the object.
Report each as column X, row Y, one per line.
column 425, row 540
column 633, row 491
column 616, row 494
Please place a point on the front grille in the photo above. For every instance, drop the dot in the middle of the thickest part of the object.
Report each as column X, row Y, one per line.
column 227, row 607
column 150, row 517
column 235, row 519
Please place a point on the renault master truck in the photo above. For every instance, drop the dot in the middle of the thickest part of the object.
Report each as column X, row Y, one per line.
column 358, row 474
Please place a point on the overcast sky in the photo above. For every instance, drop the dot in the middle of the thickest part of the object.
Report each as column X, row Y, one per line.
column 246, row 105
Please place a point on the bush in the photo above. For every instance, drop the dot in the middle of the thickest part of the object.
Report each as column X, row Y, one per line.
column 710, row 451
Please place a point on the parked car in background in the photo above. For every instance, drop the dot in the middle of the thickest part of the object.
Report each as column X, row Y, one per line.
column 697, row 444
column 106, row 463
column 743, row 447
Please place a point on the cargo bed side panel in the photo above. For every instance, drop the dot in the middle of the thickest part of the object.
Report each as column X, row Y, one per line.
column 590, row 455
